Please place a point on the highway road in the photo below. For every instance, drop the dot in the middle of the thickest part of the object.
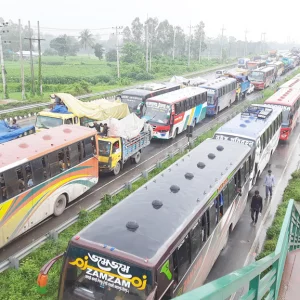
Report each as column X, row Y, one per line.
column 156, row 151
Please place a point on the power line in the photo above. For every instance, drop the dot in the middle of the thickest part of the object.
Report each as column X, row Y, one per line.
column 222, row 42
column 117, row 46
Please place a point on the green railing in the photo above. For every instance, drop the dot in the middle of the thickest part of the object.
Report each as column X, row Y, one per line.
column 260, row 279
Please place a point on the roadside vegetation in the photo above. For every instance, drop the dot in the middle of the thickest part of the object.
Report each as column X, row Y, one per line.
column 292, row 191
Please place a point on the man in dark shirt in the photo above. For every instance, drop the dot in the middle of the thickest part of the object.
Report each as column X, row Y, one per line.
column 256, row 206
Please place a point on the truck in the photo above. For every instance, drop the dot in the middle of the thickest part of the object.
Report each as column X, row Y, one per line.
column 243, row 84
column 125, row 141
column 9, row 133
column 80, row 113
column 288, row 63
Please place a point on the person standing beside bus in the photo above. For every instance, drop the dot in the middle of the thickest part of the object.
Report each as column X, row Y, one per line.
column 256, row 206
column 269, row 183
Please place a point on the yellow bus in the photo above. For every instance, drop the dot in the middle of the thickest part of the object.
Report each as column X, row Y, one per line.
column 42, row 173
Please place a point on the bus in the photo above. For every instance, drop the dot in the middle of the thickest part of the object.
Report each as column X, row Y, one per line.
column 252, row 65
column 221, row 93
column 41, row 174
column 259, row 128
column 166, row 244
column 278, row 66
column 289, row 100
column 135, row 98
column 293, row 83
column 242, row 62
column 262, row 77
column 171, row 113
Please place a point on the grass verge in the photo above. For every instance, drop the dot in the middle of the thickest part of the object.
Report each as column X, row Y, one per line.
column 292, row 191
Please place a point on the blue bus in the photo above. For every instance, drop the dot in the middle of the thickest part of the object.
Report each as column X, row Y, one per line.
column 221, row 93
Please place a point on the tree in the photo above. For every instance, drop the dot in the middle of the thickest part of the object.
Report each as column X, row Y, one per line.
column 86, row 39
column 127, row 36
column 111, row 55
column 132, row 53
column 65, row 45
column 180, row 42
column 164, row 38
column 232, row 41
column 137, row 29
column 199, row 34
column 98, row 50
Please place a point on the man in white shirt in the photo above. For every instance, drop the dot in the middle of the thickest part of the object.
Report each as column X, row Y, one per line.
column 269, row 183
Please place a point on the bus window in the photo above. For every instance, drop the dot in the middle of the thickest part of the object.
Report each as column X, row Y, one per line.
column 54, row 163
column 88, row 148
column 205, row 226
column 225, row 194
column 28, row 176
column 73, row 155
column 11, row 181
column 213, row 217
column 247, row 167
column 241, row 175
column 183, row 257
column 69, row 121
column 3, row 195
column 196, row 239
column 38, row 171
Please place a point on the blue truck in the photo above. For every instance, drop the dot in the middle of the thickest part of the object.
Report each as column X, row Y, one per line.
column 9, row 133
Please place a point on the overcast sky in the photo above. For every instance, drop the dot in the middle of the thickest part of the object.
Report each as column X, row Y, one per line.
column 257, row 16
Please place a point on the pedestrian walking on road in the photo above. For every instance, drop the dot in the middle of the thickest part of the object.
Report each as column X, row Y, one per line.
column 269, row 183
column 256, row 206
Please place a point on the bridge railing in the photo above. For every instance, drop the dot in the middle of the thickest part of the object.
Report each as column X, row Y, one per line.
column 260, row 279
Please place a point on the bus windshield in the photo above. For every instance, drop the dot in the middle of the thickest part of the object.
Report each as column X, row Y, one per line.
column 104, row 148
column 256, row 76
column 47, row 122
column 131, row 101
column 96, row 276
column 158, row 112
column 285, row 118
column 210, row 99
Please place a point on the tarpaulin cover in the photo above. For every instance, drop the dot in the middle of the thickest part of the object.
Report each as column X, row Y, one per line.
column 8, row 133
column 99, row 110
column 127, row 128
column 179, row 79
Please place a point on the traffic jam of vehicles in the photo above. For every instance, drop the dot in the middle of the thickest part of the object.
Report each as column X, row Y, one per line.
column 141, row 252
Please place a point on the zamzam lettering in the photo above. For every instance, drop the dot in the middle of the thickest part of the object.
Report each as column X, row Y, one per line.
column 234, row 139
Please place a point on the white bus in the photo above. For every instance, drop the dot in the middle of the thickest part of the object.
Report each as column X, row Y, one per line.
column 221, row 93
column 259, row 127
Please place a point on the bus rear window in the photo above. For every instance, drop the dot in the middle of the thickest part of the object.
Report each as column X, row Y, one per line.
column 87, row 275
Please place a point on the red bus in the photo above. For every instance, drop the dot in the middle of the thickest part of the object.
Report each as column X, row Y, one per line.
column 294, row 83
column 289, row 100
column 255, row 64
column 262, row 77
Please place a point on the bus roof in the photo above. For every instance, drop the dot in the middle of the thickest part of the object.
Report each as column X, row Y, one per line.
column 19, row 151
column 275, row 63
column 178, row 95
column 284, row 97
column 217, row 83
column 148, row 89
column 251, row 122
column 294, row 83
column 264, row 69
column 181, row 196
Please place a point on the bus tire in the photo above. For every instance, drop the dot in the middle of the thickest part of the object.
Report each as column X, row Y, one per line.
column 175, row 134
column 117, row 169
column 60, row 205
column 137, row 158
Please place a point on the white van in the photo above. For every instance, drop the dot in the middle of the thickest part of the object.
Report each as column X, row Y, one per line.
column 220, row 73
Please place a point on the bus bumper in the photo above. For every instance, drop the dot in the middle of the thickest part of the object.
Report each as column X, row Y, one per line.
column 161, row 135
column 210, row 111
column 258, row 85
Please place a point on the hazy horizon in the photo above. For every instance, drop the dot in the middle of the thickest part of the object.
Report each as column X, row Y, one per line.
column 71, row 17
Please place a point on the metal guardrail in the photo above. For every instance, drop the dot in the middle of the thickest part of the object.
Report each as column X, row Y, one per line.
column 114, row 91
column 14, row 261
column 262, row 278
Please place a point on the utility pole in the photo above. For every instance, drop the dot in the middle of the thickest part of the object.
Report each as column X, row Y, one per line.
column 21, row 61
column 222, row 43
column 151, row 46
column 200, row 45
column 31, row 59
column 263, row 34
column 174, row 39
column 30, row 39
column 147, row 45
column 190, row 38
column 245, row 48
column 40, row 60
column 117, row 45
column 5, row 92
